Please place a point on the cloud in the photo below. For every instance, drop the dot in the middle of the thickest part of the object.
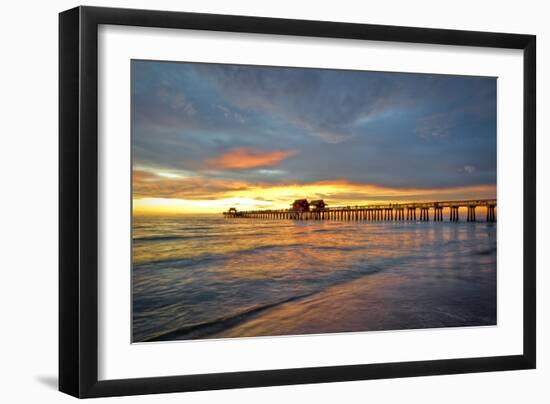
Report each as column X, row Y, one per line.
column 176, row 101
column 242, row 124
column 324, row 104
column 243, row 158
column 469, row 169
column 164, row 107
column 228, row 113
column 435, row 126
column 149, row 185
column 335, row 192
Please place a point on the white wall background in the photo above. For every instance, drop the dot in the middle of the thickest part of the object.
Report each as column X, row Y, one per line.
column 28, row 201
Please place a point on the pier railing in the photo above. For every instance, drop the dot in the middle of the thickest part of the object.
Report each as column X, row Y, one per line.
column 378, row 212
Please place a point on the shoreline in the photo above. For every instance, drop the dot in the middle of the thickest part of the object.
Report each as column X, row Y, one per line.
column 373, row 303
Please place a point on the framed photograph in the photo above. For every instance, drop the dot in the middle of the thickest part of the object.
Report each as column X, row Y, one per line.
column 251, row 201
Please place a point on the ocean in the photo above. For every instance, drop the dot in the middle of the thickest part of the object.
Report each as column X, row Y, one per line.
column 204, row 276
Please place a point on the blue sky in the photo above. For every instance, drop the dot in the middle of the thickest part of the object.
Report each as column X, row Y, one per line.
column 208, row 131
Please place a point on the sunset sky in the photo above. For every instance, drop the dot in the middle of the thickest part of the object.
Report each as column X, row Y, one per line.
column 207, row 137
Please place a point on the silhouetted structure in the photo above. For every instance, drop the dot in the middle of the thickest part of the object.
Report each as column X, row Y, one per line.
column 300, row 210
column 300, row 205
column 318, row 204
column 232, row 212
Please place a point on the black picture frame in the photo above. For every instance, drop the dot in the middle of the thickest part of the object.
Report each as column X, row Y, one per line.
column 78, row 201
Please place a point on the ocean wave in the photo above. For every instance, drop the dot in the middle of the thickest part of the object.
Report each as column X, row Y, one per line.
column 337, row 248
column 207, row 328
column 220, row 256
column 193, row 228
column 488, row 251
column 171, row 238
column 201, row 259
column 211, row 327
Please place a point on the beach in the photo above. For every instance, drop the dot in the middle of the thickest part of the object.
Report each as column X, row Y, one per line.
column 203, row 276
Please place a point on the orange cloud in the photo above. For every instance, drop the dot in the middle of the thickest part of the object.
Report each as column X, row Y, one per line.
column 157, row 194
column 244, row 158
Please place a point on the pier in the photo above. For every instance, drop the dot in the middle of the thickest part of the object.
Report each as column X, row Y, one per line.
column 395, row 212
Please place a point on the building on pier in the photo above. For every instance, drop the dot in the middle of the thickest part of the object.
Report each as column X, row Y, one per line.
column 233, row 212
column 318, row 204
column 300, row 205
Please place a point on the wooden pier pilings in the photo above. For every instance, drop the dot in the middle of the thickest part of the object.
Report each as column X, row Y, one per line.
column 378, row 213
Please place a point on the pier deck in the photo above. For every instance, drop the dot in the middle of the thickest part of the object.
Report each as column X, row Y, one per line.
column 378, row 212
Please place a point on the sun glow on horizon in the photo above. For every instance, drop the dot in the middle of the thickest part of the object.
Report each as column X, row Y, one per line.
column 176, row 205
column 335, row 193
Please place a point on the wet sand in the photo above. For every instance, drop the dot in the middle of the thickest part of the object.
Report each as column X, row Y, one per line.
column 381, row 301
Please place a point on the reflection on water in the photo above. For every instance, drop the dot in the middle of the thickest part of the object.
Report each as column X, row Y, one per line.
column 209, row 277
